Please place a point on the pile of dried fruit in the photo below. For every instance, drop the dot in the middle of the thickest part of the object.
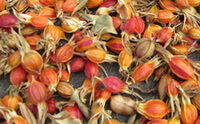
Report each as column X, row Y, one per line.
column 42, row 42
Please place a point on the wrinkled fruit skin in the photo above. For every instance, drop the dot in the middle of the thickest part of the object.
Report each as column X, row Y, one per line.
column 189, row 114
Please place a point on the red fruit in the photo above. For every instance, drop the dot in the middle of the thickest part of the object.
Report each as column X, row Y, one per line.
column 165, row 34
column 181, row 68
column 113, row 84
column 129, row 26
column 78, row 35
column 77, row 64
column 51, row 103
column 91, row 69
column 17, row 75
column 74, row 112
column 7, row 20
column 108, row 3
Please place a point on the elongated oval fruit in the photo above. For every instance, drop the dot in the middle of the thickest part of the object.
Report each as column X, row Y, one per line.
column 14, row 59
column 96, row 55
column 144, row 71
column 165, row 16
column 32, row 41
column 74, row 112
column 196, row 101
column 153, row 109
column 8, row 20
column 48, row 12
column 69, row 6
column 115, row 44
column 17, row 76
column 168, row 4
column 164, row 35
column 113, row 84
column 172, row 87
column 85, row 44
column 32, row 61
column 181, row 68
column 33, row 3
column 125, row 59
column 128, row 27
column 180, row 49
column 189, row 114
column 122, row 105
column 37, row 92
column 77, row 64
column 47, row 2
column 91, row 69
column 2, row 5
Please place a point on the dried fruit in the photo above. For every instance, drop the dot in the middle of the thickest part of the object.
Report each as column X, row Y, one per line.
column 183, row 4
column 39, row 22
column 97, row 55
column 115, row 44
column 74, row 112
column 33, row 40
column 17, row 120
column 194, row 33
column 181, row 68
column 125, row 59
column 33, row 3
column 164, row 35
column 91, row 69
column 194, row 3
column 51, row 103
column 122, row 105
column 69, row 6
column 153, row 109
column 37, row 92
column 49, row 77
column 145, row 70
column 196, row 102
column 159, row 121
column 111, row 121
column 77, row 64
column 85, row 44
column 14, row 59
column 17, row 76
column 8, row 20
column 47, row 12
column 168, row 4
column 65, row 89
column 2, row 4
column 165, row 16
column 47, row 2
column 180, row 49
column 11, row 102
column 20, row 6
column 144, row 48
column 94, row 3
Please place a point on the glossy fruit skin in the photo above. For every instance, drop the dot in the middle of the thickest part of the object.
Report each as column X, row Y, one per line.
column 51, row 104
column 74, row 112
column 114, row 84
column 8, row 20
column 91, row 69
column 11, row 102
column 77, row 64
column 194, row 33
column 37, row 92
column 164, row 35
column 17, row 76
column 181, row 68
